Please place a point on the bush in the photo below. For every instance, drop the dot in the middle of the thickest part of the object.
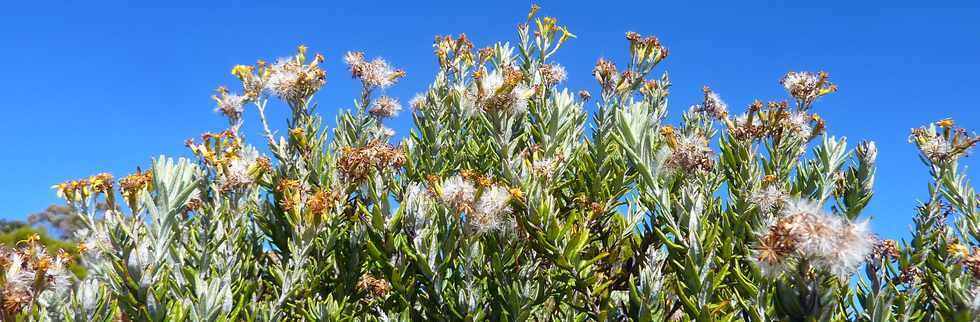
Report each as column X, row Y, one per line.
column 509, row 201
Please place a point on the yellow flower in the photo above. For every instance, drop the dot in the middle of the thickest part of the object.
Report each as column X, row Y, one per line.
column 242, row 71
column 769, row 179
column 668, row 132
column 516, row 192
column 958, row 250
column 946, row 123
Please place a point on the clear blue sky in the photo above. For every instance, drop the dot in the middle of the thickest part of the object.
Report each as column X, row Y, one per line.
column 93, row 86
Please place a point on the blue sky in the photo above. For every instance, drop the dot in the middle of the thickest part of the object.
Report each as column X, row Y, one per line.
column 101, row 86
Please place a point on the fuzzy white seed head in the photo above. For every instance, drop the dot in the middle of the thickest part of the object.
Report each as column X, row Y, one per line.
column 714, row 106
column 491, row 211
column 800, row 84
column 768, row 198
column 798, row 124
column 852, row 245
column 231, row 105
column 457, row 192
column 385, row 107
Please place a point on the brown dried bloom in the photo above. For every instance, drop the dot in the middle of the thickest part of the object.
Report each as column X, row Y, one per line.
column 263, row 164
column 452, row 52
column 749, row 126
column 803, row 229
column 552, row 74
column 972, row 263
column 691, row 153
column 322, row 201
column 774, row 248
column 910, row 274
column 252, row 84
column 886, row 249
column 606, row 74
column 376, row 287
column 355, row 164
column 713, row 106
column 230, row 105
column 633, row 36
column 193, row 204
column 14, row 299
column 486, row 53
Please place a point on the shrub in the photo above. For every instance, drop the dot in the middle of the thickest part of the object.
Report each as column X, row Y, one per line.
column 509, row 201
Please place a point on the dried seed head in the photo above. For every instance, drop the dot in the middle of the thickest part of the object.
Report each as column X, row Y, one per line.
column 356, row 164
column 774, row 249
column 385, row 107
column 15, row 299
column 886, row 249
column 375, row 287
column 458, row 193
column 769, row 199
column 911, row 274
column 807, row 87
column 322, row 201
column 691, row 154
column 263, row 164
column 552, row 74
column 606, row 74
column 294, row 81
column 948, row 145
column 633, row 36
column 502, row 91
column 797, row 124
column 832, row 243
column 377, row 73
column 713, row 106
column 972, row 263
column 491, row 210
column 230, row 105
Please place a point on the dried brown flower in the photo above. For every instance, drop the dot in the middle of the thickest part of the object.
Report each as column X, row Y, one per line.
column 355, row 164
column 376, row 287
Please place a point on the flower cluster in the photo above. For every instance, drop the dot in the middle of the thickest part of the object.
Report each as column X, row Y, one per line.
column 948, row 145
column 805, row 233
column 807, row 87
column 355, row 164
column 376, row 73
column 502, row 90
column 689, row 153
column 32, row 275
